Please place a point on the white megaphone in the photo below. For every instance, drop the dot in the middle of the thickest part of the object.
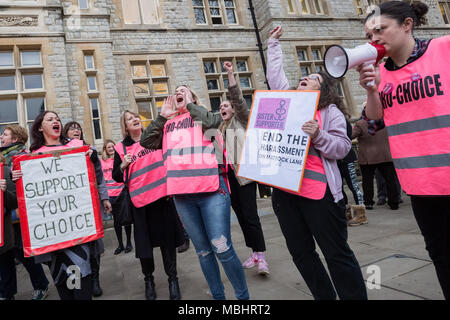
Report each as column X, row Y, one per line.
column 338, row 59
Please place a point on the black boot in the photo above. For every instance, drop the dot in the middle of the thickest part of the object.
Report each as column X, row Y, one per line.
column 184, row 247
column 150, row 293
column 95, row 276
column 96, row 290
column 174, row 290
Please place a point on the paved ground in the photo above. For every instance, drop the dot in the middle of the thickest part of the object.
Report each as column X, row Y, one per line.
column 391, row 240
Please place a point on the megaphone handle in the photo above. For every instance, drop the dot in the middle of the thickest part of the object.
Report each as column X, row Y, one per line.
column 372, row 82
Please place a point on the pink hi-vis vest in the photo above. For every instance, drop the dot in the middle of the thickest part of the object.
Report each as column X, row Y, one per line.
column 190, row 157
column 416, row 104
column 314, row 183
column 146, row 174
column 74, row 143
column 114, row 188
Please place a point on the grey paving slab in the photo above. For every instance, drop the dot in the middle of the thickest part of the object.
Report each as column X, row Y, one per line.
column 388, row 233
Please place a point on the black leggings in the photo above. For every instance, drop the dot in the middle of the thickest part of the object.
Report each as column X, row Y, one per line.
column 84, row 293
column 243, row 201
column 118, row 229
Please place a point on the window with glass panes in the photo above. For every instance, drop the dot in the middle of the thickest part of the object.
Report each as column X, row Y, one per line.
column 310, row 59
column 444, row 7
column 306, row 7
column 217, row 80
column 362, row 6
column 140, row 11
column 93, row 93
column 216, row 12
column 83, row 4
column 150, row 86
column 22, row 89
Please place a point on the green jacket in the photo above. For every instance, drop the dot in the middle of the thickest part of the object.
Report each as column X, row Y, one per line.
column 153, row 135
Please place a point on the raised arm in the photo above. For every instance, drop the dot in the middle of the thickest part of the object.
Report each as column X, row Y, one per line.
column 275, row 73
column 236, row 98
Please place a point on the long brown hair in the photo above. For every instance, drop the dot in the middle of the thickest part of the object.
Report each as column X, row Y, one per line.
column 329, row 93
column 37, row 137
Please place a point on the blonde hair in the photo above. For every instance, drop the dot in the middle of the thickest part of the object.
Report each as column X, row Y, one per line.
column 123, row 123
column 105, row 144
column 194, row 94
column 18, row 132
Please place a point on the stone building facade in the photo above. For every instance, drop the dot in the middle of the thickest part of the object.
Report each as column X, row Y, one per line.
column 89, row 60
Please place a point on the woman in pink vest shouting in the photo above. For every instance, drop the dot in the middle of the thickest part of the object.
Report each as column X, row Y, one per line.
column 46, row 135
column 317, row 212
column 412, row 95
column 155, row 219
column 114, row 189
column 232, row 123
column 197, row 180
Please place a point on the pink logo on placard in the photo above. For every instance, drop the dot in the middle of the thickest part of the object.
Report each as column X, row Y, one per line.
column 272, row 113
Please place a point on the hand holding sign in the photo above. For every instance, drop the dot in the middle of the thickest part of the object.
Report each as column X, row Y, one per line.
column 311, row 127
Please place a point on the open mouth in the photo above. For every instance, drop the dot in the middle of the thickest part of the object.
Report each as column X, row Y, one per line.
column 56, row 128
column 303, row 84
column 180, row 99
column 224, row 114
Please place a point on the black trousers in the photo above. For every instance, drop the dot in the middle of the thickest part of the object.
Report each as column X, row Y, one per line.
column 84, row 293
column 302, row 220
column 381, row 186
column 433, row 217
column 169, row 257
column 344, row 169
column 243, row 201
column 387, row 170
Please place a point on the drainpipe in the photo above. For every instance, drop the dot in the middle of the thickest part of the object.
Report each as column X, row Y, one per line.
column 258, row 39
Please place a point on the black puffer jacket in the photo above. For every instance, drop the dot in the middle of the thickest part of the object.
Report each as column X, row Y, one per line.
column 9, row 203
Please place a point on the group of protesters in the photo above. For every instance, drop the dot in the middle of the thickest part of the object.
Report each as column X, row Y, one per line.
column 171, row 192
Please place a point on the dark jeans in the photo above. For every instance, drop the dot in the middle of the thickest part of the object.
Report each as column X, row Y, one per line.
column 381, row 186
column 433, row 217
column 169, row 257
column 387, row 170
column 304, row 220
column 84, row 293
column 243, row 201
column 8, row 282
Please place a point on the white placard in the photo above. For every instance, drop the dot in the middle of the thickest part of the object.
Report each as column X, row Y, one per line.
column 275, row 146
column 58, row 199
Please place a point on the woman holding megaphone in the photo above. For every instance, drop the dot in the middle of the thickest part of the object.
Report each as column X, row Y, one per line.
column 317, row 212
column 411, row 94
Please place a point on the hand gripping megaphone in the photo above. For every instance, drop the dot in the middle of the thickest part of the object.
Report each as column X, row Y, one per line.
column 338, row 59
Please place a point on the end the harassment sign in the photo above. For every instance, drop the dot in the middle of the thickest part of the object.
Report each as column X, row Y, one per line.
column 58, row 200
column 276, row 148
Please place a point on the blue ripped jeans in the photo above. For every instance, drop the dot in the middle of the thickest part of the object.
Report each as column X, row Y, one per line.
column 206, row 217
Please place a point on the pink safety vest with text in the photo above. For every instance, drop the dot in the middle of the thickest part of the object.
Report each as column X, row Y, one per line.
column 416, row 106
column 114, row 188
column 190, row 157
column 146, row 174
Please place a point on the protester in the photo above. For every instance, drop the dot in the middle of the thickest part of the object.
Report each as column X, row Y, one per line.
column 46, row 135
column 317, row 212
column 382, row 190
column 72, row 130
column 416, row 74
column 8, row 280
column 347, row 170
column 232, row 122
column 13, row 142
column 155, row 224
column 374, row 153
column 199, row 189
column 114, row 189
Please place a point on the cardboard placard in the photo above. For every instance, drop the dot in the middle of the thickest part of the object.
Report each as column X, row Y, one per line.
column 58, row 200
column 275, row 147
